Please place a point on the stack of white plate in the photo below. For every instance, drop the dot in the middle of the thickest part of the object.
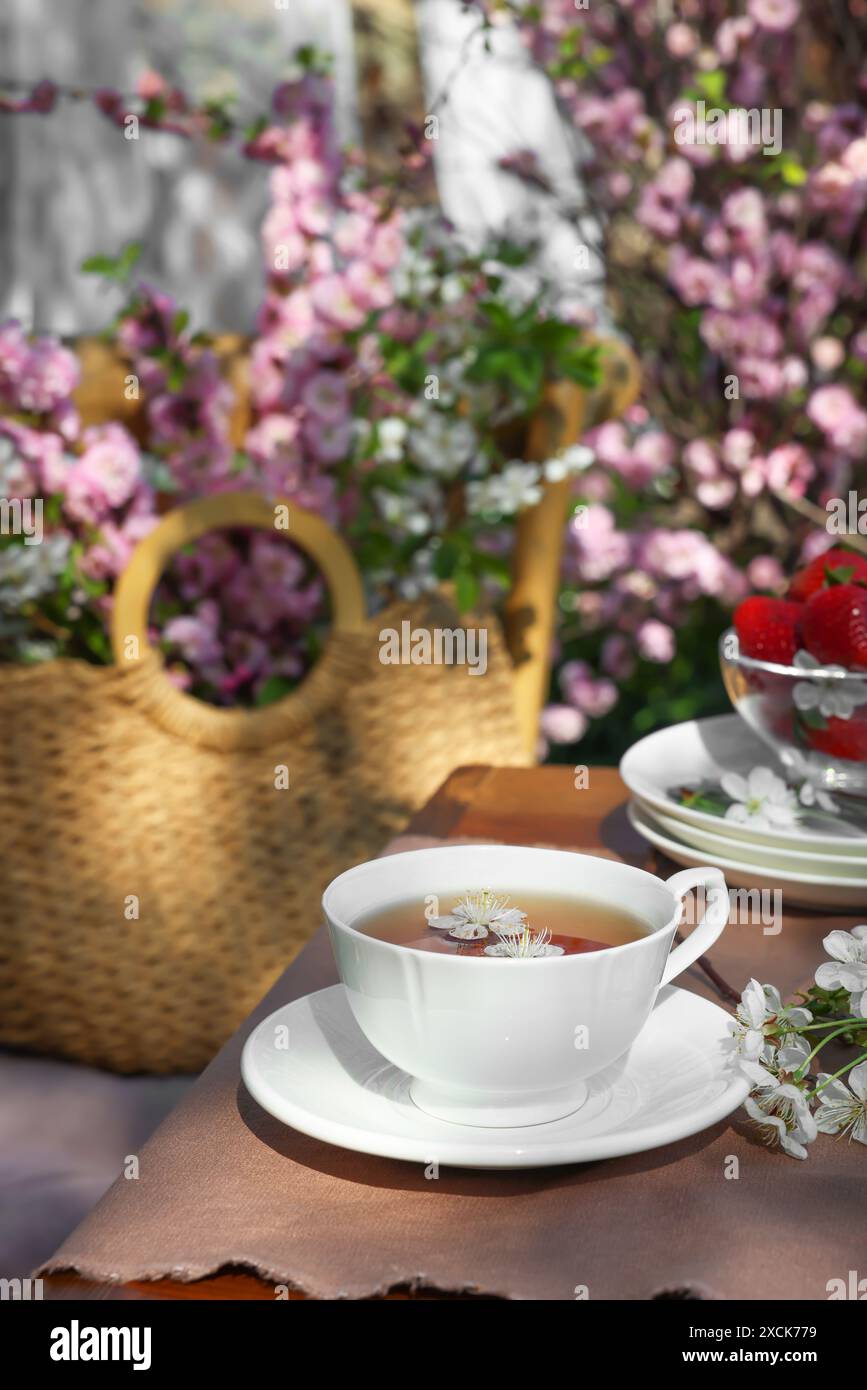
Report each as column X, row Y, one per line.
column 819, row 861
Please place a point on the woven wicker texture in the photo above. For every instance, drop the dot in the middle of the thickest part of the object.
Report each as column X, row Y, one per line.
column 115, row 805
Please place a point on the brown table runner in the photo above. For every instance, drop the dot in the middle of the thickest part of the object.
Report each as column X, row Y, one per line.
column 221, row 1183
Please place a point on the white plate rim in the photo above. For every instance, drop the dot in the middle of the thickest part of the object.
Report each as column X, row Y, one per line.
column 462, row 1151
column 654, row 796
column 725, row 842
column 739, row 866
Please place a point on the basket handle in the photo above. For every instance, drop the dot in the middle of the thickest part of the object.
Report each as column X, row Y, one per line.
column 187, row 523
column 140, row 667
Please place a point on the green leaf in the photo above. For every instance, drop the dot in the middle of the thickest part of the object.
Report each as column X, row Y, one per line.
column 113, row 267
column 273, row 689
column 446, row 559
column 713, row 85
column 466, row 589
column 842, row 574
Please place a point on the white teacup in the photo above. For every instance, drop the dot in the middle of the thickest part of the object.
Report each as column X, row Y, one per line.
column 505, row 1042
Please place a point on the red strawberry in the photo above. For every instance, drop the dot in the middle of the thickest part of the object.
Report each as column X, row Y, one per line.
column 814, row 577
column 769, row 628
column 834, row 626
column 843, row 738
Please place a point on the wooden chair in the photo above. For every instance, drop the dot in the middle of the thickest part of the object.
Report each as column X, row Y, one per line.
column 567, row 411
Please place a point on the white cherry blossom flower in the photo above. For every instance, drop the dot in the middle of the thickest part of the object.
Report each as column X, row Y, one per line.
column 843, row 1109
column 833, row 699
column 516, row 487
column 791, row 1135
column 762, row 799
column 477, row 914
column 524, row 945
column 814, row 796
column 848, row 969
column 568, row 462
column 761, row 1016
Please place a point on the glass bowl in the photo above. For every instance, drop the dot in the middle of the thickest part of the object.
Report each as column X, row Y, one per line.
column 814, row 717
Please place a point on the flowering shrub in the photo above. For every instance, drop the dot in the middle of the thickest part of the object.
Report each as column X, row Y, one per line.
column 388, row 368
column 734, row 248
column 728, row 167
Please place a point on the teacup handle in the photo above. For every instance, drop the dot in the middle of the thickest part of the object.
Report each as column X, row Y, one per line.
column 702, row 937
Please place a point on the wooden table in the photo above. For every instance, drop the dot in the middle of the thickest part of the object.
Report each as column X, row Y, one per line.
column 520, row 806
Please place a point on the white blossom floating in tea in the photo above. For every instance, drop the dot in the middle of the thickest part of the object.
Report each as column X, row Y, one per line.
column 527, row 945
column 482, row 924
column 477, row 914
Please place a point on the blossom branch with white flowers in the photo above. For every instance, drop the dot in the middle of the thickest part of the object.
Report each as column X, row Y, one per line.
column 772, row 1046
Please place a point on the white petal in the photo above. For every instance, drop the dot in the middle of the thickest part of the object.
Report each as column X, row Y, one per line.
column 735, row 786
column 798, row 1017
column 790, row 1145
column 805, row 695
column 827, row 977
column 772, row 994
column 842, row 946
column 858, row 1081
column 757, row 1073
column 753, row 1003
column 469, row 931
column 764, row 782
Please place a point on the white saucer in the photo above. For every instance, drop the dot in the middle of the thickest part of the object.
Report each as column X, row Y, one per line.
column 803, row 890
column 329, row 1082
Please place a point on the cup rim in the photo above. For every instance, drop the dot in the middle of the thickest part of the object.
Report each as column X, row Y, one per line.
column 336, row 920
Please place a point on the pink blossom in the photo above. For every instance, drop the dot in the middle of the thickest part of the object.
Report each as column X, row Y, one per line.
column 328, row 440
column 111, row 457
column 618, row 658
column 42, row 464
column 655, row 641
column 49, row 374
column 662, row 201
column 789, row 468
column 776, row 15
column 332, row 298
column 14, row 353
column 760, row 379
column 210, row 564
column 276, row 564
column 386, row 247
column 795, row 373
column 562, row 724
column 283, row 243
column 150, row 327
column 766, row 572
column 593, row 696
column 854, row 158
column 197, row 635
column 828, row 354
column 731, row 35
column 834, row 410
column 368, row 287
column 695, row 280
column 743, row 213
column 681, row 41
column 601, row 548
column 326, row 394
column 716, row 493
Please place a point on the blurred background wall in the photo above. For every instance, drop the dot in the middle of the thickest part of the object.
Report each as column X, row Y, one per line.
column 71, row 186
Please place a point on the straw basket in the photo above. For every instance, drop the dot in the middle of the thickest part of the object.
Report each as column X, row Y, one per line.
column 164, row 858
